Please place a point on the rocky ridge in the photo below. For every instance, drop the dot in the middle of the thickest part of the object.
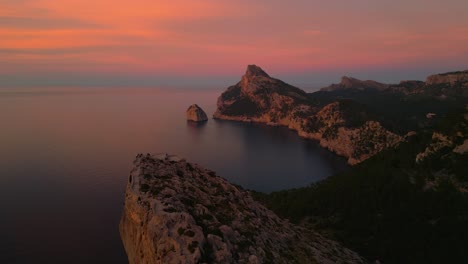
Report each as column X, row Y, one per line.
column 343, row 127
column 353, row 83
column 179, row 212
column 444, row 85
column 449, row 78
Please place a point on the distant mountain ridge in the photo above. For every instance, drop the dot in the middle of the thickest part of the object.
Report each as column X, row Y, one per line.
column 444, row 85
column 353, row 83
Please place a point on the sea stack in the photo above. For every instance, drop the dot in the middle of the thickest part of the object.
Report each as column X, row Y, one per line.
column 178, row 212
column 196, row 114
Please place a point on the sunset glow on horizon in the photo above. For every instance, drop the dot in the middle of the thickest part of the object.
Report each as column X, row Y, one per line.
column 218, row 37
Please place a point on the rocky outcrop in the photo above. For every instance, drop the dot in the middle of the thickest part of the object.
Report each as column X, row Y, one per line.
column 445, row 85
column 451, row 78
column 196, row 114
column 179, row 212
column 453, row 139
column 352, row 83
column 343, row 127
column 439, row 141
column 346, row 129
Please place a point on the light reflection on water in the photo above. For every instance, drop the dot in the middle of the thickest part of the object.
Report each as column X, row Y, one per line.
column 65, row 155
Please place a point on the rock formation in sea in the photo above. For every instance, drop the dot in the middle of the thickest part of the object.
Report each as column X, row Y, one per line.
column 342, row 126
column 196, row 114
column 179, row 212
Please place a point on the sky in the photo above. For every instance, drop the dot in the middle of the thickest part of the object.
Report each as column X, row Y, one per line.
column 209, row 43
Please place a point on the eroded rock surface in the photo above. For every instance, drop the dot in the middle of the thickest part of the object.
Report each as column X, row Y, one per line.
column 196, row 114
column 179, row 212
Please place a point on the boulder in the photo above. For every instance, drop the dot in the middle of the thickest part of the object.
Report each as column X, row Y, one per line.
column 196, row 114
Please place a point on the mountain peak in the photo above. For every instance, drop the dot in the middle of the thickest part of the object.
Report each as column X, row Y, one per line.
column 347, row 81
column 254, row 70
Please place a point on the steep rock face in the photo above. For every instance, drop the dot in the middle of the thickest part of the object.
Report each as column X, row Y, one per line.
column 179, row 212
column 343, row 127
column 451, row 84
column 352, row 83
column 196, row 114
column 259, row 96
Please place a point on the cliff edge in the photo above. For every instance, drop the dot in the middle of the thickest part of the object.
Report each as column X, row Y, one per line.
column 179, row 212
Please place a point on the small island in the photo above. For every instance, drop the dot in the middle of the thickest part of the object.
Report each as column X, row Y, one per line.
column 196, row 114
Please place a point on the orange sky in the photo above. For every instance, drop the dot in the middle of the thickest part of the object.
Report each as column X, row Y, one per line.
column 220, row 37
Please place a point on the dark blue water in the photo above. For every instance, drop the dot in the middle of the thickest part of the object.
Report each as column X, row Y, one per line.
column 65, row 155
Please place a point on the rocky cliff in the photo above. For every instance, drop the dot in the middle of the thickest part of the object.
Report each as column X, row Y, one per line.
column 341, row 126
column 179, row 212
column 444, row 85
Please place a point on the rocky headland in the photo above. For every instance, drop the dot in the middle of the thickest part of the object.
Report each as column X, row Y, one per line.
column 342, row 126
column 179, row 212
column 353, row 83
column 196, row 114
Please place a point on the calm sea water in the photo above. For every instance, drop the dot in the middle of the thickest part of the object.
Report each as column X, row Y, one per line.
column 65, row 155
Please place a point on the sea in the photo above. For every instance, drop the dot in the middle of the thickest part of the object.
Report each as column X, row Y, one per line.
column 66, row 153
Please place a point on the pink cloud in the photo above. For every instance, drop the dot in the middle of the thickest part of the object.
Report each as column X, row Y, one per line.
column 212, row 35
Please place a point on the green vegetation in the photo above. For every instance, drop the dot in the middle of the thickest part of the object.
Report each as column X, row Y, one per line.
column 231, row 93
column 242, row 106
column 397, row 112
column 189, row 233
column 207, row 253
column 390, row 208
column 170, row 210
column 144, row 187
column 192, row 246
column 180, row 231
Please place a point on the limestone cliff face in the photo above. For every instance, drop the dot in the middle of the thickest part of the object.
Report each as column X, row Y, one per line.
column 258, row 96
column 445, row 85
column 343, row 127
column 196, row 114
column 179, row 212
